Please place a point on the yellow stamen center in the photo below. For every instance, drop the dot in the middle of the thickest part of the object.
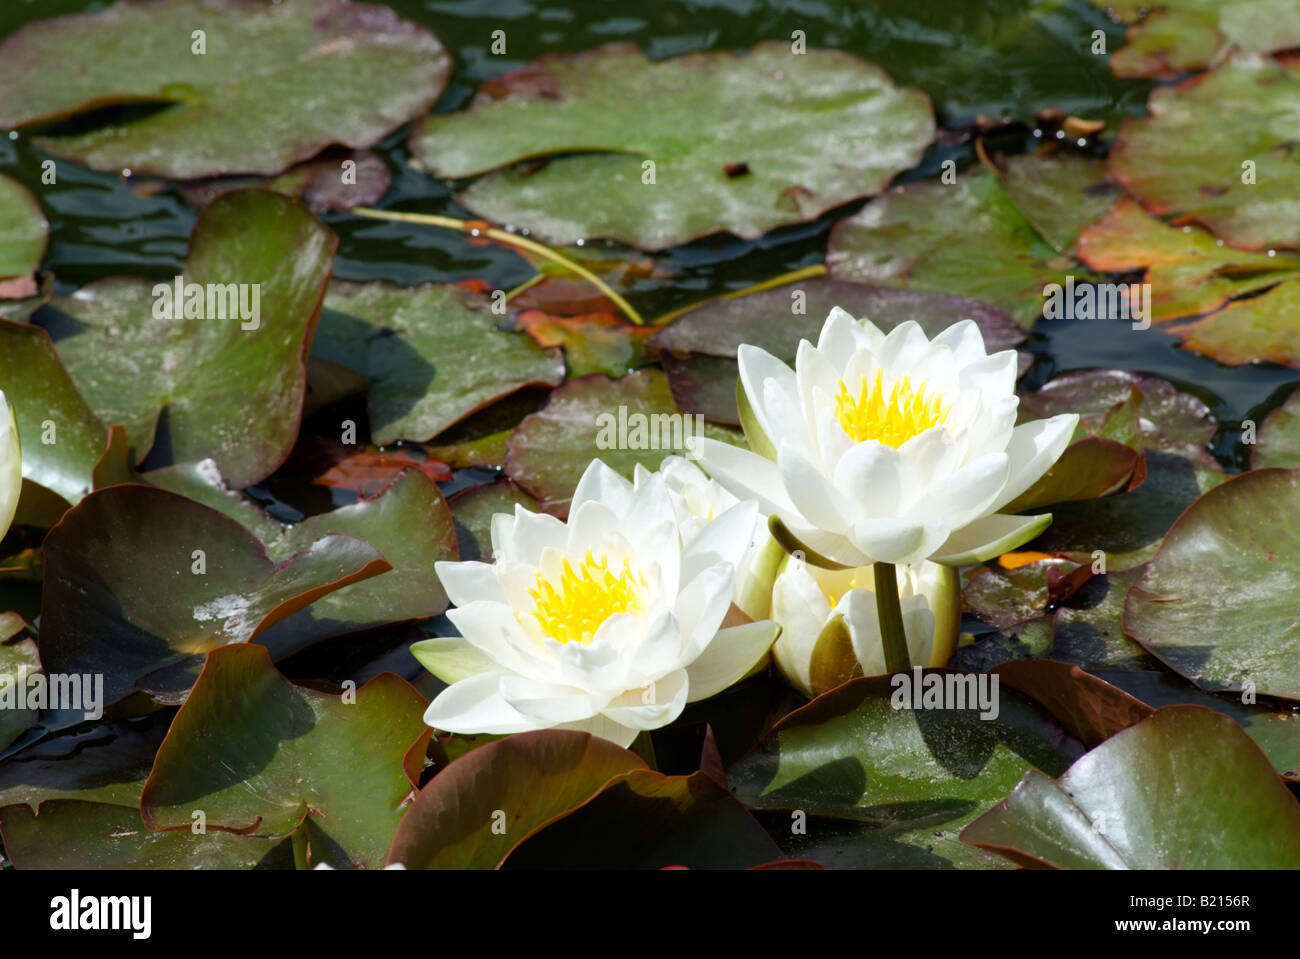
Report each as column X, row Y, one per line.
column 892, row 417
column 573, row 609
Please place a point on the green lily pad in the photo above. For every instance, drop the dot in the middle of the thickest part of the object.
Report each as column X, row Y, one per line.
column 1250, row 297
column 967, row 238
column 1089, row 632
column 1170, row 37
column 127, row 593
column 624, row 422
column 1217, row 603
column 646, row 820
column 71, row 834
column 49, row 407
column 491, row 799
column 1278, row 441
column 434, row 355
column 918, row 775
column 698, row 350
column 592, row 342
column 1060, row 195
column 1186, row 159
column 473, row 509
column 230, row 393
column 260, row 755
column 24, row 231
column 1128, row 527
column 18, row 660
column 738, row 143
column 1004, row 597
column 275, row 85
column 1185, row 789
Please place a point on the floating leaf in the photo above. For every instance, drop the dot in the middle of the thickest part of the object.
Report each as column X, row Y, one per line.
column 1190, row 273
column 1278, row 443
column 370, row 471
column 71, row 834
column 1185, row 789
column 1171, row 37
column 737, row 143
column 23, row 231
column 1186, row 160
column 203, row 386
column 698, row 351
column 18, row 660
column 1091, row 709
column 490, row 800
column 623, row 422
column 1006, row 597
column 139, row 579
column 259, row 754
column 966, row 238
column 1217, row 603
column 646, row 820
column 1060, row 195
column 434, row 355
column 46, row 403
column 273, row 85
column 916, row 776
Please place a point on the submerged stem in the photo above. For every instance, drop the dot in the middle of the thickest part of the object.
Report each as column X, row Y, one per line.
column 512, row 239
column 892, row 636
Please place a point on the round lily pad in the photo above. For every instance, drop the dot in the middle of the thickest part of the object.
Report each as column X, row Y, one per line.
column 967, row 238
column 23, row 231
column 1278, row 441
column 226, row 362
column 1184, row 789
column 1218, row 601
column 271, row 85
column 738, row 143
column 1187, row 160
column 434, row 354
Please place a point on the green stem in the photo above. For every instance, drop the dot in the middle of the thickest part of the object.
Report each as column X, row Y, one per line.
column 892, row 636
column 794, row 276
column 511, row 239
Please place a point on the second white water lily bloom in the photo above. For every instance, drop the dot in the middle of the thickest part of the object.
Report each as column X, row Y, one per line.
column 609, row 623
column 889, row 448
column 830, row 628
column 11, row 466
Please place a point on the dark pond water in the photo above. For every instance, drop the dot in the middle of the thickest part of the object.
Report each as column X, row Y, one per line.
column 990, row 59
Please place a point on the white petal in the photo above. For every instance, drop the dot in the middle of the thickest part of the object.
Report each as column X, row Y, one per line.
column 605, row 728
column 746, row 475
column 475, row 705
column 890, row 540
column 724, row 540
column 548, row 703
column 970, row 492
column 602, row 484
column 758, row 367
column 1034, row 447
column 816, row 499
column 667, row 699
column 702, row 605
column 993, row 375
column 869, row 477
column 469, row 581
column 726, row 660
column 966, row 341
column 904, row 345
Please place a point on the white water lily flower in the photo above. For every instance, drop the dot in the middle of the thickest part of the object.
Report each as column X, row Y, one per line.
column 830, row 627
column 11, row 466
column 889, row 448
column 698, row 500
column 609, row 623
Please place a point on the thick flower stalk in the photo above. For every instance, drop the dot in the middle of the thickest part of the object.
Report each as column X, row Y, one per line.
column 830, row 629
column 890, row 448
column 11, row 466
column 609, row 623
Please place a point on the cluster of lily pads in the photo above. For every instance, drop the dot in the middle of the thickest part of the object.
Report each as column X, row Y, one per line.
column 511, row 643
